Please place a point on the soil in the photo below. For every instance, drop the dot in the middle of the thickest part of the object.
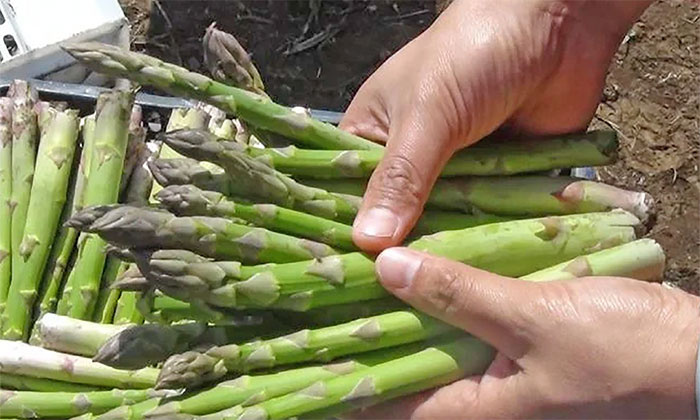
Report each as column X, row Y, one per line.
column 316, row 53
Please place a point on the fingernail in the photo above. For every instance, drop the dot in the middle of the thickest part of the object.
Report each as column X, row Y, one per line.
column 397, row 267
column 377, row 222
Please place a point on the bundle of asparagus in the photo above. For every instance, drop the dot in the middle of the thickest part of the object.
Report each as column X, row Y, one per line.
column 236, row 270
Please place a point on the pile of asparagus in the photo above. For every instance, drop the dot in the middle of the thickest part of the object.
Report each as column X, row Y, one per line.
column 230, row 288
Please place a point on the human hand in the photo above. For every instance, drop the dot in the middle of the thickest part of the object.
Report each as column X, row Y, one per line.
column 532, row 67
column 598, row 347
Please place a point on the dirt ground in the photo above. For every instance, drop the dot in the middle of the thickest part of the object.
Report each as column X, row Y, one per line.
column 317, row 53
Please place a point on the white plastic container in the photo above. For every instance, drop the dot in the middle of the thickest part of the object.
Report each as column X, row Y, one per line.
column 32, row 30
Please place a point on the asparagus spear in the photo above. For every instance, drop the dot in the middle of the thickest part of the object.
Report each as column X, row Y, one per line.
column 75, row 336
column 159, row 308
column 586, row 149
column 141, row 186
column 30, row 383
column 247, row 390
column 621, row 260
column 23, row 359
column 143, row 345
column 517, row 195
column 29, row 404
column 188, row 200
column 510, row 248
column 108, row 297
column 642, row 259
column 102, row 187
column 435, row 221
column 434, row 366
column 189, row 173
column 336, row 314
column 64, row 244
column 183, row 171
column 192, row 368
column 5, row 198
column 127, row 311
column 254, row 178
column 248, row 106
column 48, row 195
column 209, row 236
column 136, row 192
column 229, row 63
column 24, row 144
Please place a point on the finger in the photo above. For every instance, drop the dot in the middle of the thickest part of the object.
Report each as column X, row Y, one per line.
column 398, row 409
column 491, row 307
column 415, row 154
column 477, row 397
column 366, row 116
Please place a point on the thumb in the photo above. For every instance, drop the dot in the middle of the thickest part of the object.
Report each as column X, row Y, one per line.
column 400, row 185
column 493, row 308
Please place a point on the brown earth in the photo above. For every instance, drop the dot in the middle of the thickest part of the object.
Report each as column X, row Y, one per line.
column 317, row 53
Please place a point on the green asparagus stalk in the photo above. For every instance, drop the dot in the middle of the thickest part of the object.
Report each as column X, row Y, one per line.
column 637, row 259
column 247, row 390
column 194, row 118
column 188, row 200
column 254, row 178
column 642, row 259
column 143, row 345
column 192, row 368
column 74, row 336
column 29, row 404
column 183, row 171
column 30, row 383
column 435, row 221
column 136, row 191
column 511, row 248
column 434, row 366
column 159, row 308
column 127, row 309
column 62, row 249
column 253, row 108
column 25, row 134
column 229, row 63
column 517, row 195
column 140, row 188
column 189, row 173
column 206, row 235
column 48, row 195
column 23, row 359
column 102, row 187
column 108, row 297
column 336, row 314
column 5, row 199
column 575, row 150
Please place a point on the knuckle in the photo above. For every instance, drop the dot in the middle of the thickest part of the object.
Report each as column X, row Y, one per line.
column 448, row 289
column 398, row 181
